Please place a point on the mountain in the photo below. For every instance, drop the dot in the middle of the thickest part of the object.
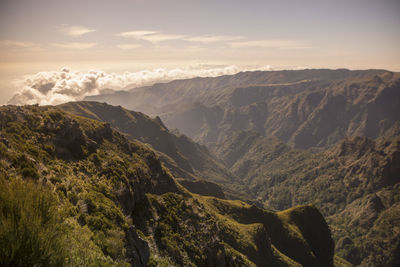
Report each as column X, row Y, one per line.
column 326, row 137
column 355, row 184
column 305, row 108
column 75, row 192
column 198, row 169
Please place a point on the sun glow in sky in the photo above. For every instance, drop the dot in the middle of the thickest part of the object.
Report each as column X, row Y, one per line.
column 136, row 35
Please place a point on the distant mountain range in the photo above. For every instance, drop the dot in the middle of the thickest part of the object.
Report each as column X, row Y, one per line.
column 305, row 108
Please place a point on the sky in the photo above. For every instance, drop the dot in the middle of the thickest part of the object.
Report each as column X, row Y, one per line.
column 85, row 46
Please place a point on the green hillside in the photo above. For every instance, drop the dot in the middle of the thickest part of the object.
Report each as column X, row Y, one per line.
column 76, row 192
column 355, row 185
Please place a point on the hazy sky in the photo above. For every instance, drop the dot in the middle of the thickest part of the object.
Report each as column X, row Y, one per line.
column 118, row 36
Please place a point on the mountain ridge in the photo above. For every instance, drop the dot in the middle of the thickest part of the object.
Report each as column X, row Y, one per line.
column 307, row 108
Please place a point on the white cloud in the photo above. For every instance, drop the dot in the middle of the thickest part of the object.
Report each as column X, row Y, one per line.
column 135, row 34
column 75, row 46
column 129, row 46
column 156, row 37
column 11, row 43
column 212, row 38
column 150, row 36
column 55, row 87
column 269, row 44
column 75, row 31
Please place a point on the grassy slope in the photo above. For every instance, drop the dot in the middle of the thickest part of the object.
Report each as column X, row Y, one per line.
column 117, row 203
column 95, row 173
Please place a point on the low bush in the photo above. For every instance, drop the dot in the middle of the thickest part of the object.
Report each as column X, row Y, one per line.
column 31, row 231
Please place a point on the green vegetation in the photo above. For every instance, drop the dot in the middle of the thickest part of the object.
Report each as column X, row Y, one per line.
column 192, row 230
column 74, row 192
column 82, row 167
column 35, row 231
column 31, row 231
column 354, row 185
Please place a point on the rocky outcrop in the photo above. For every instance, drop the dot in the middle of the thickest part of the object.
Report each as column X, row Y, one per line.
column 138, row 251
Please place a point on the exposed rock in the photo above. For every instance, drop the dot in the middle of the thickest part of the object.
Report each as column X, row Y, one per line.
column 138, row 251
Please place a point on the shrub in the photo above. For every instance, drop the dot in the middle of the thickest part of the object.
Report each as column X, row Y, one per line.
column 31, row 231
column 29, row 172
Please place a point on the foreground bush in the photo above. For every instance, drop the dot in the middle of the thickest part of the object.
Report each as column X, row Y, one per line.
column 31, row 232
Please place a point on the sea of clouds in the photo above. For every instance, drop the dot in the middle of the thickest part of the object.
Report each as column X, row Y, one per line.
column 56, row 87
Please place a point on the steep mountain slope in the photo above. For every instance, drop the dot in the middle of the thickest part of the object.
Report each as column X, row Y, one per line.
column 109, row 201
column 355, row 184
column 97, row 176
column 306, row 108
column 180, row 154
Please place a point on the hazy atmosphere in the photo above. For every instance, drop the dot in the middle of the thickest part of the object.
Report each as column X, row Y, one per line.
column 122, row 44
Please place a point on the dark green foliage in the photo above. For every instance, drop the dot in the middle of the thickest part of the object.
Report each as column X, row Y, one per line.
column 92, row 174
column 31, row 231
column 202, row 231
column 312, row 225
column 30, row 173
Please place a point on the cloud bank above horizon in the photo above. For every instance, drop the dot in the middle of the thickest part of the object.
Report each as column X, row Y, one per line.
column 57, row 87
